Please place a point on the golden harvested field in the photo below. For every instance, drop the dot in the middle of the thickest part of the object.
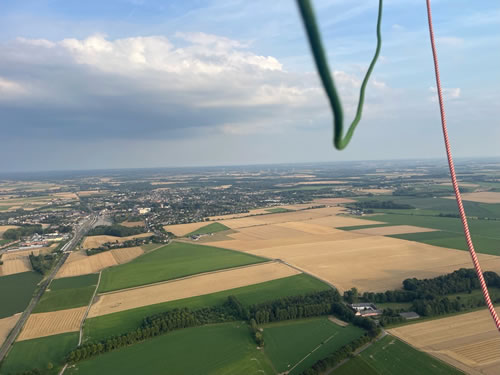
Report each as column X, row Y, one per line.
column 394, row 229
column 467, row 341
column 92, row 242
column 66, row 195
column 375, row 191
column 86, row 193
column 4, row 228
column 78, row 263
column 52, row 323
column 133, row 223
column 6, row 325
column 197, row 285
column 15, row 265
column 309, row 240
column 481, row 197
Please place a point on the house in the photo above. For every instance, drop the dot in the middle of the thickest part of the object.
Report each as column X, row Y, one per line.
column 365, row 309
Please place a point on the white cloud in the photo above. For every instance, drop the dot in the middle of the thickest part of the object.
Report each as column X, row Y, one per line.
column 448, row 93
column 10, row 89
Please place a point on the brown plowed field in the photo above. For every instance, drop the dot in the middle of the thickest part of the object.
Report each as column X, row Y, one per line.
column 394, row 229
column 189, row 287
column 78, row 263
column 92, row 242
column 468, row 341
column 52, row 323
column 6, row 325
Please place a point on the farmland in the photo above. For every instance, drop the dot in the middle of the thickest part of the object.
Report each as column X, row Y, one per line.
column 170, row 262
column 287, row 343
column 369, row 262
column 6, row 325
column 467, row 341
column 38, row 353
column 390, row 356
column 17, row 289
column 78, row 263
column 92, row 242
column 220, row 349
column 210, row 228
column 112, row 324
column 52, row 323
column 67, row 293
column 189, row 287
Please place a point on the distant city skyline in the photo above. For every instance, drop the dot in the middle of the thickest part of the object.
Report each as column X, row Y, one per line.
column 148, row 84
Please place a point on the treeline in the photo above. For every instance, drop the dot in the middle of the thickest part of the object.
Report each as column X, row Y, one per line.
column 26, row 230
column 429, row 296
column 337, row 356
column 42, row 263
column 382, row 205
column 156, row 325
column 129, row 243
column 313, row 304
column 116, row 230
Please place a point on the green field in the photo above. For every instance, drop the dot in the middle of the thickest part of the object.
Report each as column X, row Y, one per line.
column 210, row 228
column 214, row 349
column 390, row 356
column 121, row 322
column 485, row 233
column 3, row 242
column 74, row 282
column 16, row 292
column 287, row 343
column 37, row 353
column 277, row 210
column 175, row 260
column 68, row 293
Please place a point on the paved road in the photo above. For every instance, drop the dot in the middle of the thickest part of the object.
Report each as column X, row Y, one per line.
column 79, row 233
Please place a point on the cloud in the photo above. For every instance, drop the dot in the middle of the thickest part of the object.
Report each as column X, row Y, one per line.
column 450, row 41
column 448, row 93
column 156, row 87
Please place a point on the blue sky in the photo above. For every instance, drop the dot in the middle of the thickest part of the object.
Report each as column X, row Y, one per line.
column 110, row 84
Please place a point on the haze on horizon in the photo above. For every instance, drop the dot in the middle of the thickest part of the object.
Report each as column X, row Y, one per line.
column 132, row 83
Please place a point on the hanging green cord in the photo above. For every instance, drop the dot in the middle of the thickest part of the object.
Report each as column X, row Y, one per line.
column 309, row 20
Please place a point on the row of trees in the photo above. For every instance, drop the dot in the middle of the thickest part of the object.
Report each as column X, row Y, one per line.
column 116, row 230
column 382, row 205
column 337, row 356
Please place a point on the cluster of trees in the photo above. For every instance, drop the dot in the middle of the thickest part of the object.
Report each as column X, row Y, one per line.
column 256, row 333
column 337, row 356
column 382, row 205
column 429, row 296
column 42, row 263
column 116, row 230
column 26, row 230
column 296, row 307
column 156, row 325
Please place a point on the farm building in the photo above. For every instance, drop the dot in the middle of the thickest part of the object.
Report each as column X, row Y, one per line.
column 365, row 309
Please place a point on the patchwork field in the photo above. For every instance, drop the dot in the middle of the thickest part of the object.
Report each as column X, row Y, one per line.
column 17, row 289
column 296, row 345
column 78, row 263
column 468, row 341
column 67, row 293
column 389, row 356
column 52, row 323
column 189, row 287
column 393, row 229
column 221, row 349
column 483, row 197
column 180, row 230
column 117, row 323
column 172, row 261
column 92, row 242
column 38, row 353
column 370, row 262
column 6, row 325
column 210, row 228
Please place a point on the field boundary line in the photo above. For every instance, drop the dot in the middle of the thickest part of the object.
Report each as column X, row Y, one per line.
column 190, row 276
column 307, row 273
column 311, row 352
column 88, row 309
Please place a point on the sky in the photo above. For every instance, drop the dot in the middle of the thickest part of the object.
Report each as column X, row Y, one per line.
column 137, row 83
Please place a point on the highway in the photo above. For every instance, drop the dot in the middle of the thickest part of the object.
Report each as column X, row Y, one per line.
column 80, row 232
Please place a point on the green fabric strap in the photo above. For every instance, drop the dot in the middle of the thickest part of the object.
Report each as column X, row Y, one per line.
column 313, row 35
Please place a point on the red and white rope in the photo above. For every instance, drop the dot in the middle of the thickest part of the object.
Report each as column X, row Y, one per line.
column 484, row 288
